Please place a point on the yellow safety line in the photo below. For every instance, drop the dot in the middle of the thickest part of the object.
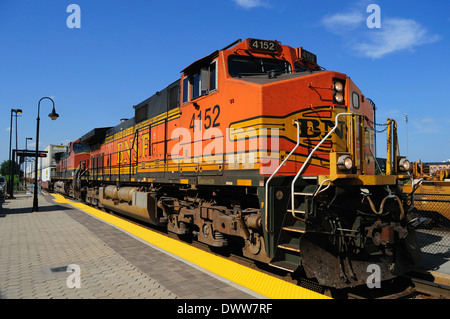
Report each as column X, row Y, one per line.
column 254, row 280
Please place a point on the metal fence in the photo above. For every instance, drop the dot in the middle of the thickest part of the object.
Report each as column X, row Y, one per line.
column 433, row 235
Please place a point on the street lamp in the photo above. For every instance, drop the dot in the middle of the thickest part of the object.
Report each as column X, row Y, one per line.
column 11, row 184
column 53, row 115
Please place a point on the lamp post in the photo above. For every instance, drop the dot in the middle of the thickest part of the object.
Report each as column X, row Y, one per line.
column 53, row 115
column 10, row 183
column 405, row 116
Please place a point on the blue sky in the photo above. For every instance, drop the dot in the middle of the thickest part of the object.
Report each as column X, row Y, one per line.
column 125, row 51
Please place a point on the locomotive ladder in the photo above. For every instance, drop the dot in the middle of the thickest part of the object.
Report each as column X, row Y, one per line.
column 293, row 193
column 287, row 253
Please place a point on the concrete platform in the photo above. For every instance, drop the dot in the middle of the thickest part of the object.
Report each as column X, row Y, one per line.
column 64, row 253
column 69, row 250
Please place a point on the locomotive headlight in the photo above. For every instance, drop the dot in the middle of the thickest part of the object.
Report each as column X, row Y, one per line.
column 339, row 97
column 338, row 86
column 404, row 165
column 345, row 163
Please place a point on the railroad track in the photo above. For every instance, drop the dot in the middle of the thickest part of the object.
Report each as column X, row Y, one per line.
column 417, row 285
column 412, row 286
column 426, row 287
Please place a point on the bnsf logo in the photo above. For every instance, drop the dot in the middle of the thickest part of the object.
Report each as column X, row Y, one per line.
column 312, row 128
column 314, row 124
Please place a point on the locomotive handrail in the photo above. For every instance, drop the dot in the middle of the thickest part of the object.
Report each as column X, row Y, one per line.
column 131, row 153
column 309, row 157
column 273, row 174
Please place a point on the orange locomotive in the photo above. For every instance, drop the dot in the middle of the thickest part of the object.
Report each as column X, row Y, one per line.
column 260, row 148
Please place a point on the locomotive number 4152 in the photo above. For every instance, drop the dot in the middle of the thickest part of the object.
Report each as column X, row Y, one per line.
column 263, row 45
column 210, row 119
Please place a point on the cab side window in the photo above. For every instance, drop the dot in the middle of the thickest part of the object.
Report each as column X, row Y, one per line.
column 213, row 76
column 196, row 83
column 185, row 90
column 200, row 83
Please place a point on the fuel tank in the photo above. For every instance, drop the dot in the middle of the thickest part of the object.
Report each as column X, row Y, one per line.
column 129, row 201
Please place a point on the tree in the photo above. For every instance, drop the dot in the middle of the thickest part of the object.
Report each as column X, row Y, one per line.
column 4, row 168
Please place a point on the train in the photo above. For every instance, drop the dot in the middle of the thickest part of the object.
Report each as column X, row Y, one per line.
column 258, row 149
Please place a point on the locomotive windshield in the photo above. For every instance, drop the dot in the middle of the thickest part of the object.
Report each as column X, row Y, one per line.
column 249, row 65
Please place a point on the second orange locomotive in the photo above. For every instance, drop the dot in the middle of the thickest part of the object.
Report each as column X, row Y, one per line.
column 258, row 147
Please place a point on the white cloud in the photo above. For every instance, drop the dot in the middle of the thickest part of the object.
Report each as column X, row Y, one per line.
column 395, row 34
column 427, row 120
column 32, row 145
column 426, row 125
column 249, row 4
column 342, row 22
